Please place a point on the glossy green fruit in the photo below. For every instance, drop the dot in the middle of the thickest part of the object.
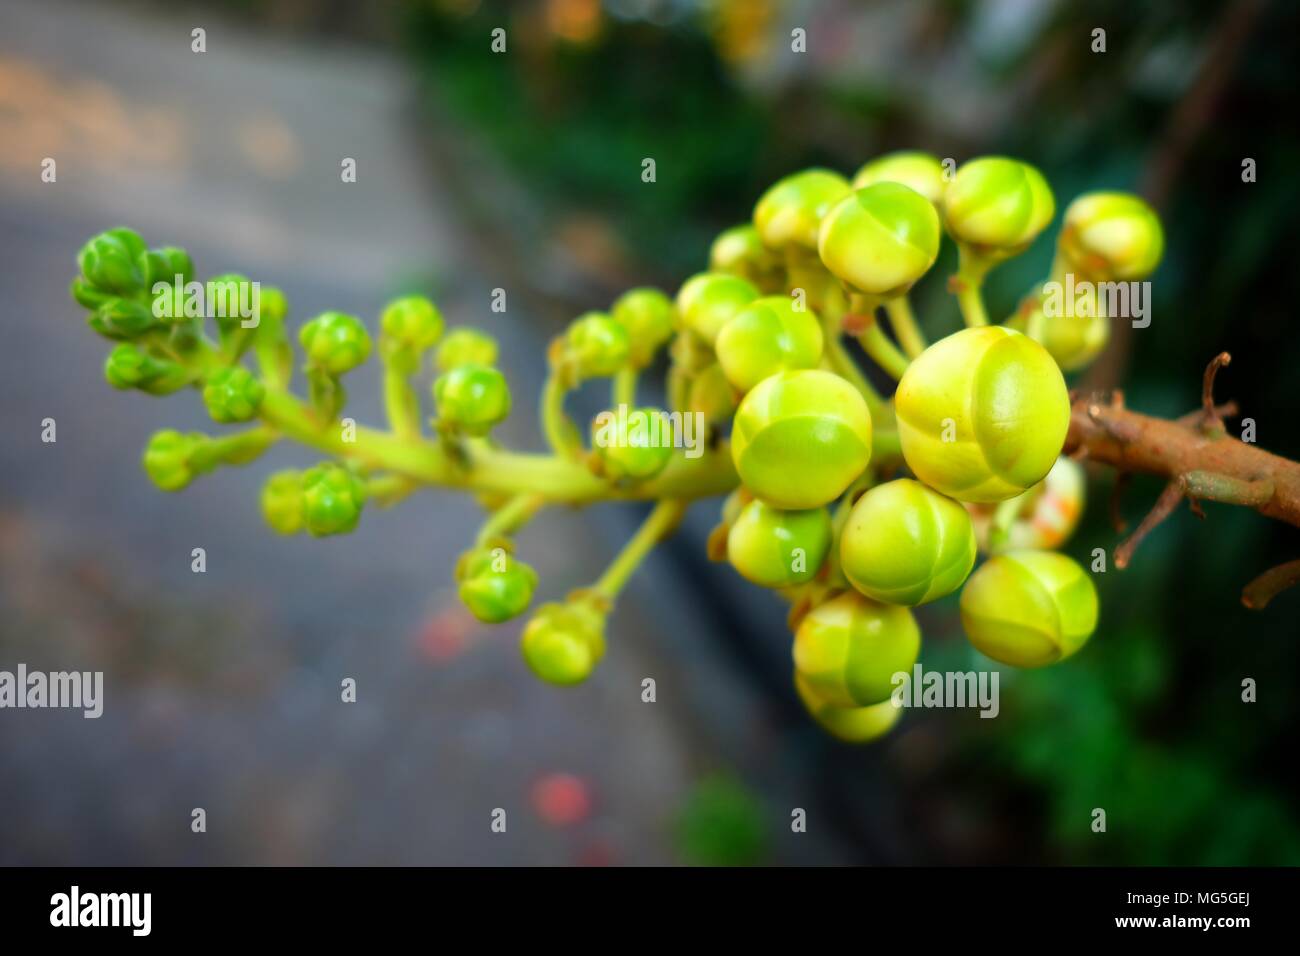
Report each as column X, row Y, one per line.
column 849, row 649
column 880, row 239
column 647, row 317
column 800, row 438
column 597, row 345
column 982, row 414
column 335, row 342
column 907, row 544
column 636, row 444
column 790, row 212
column 332, row 498
column 777, row 549
column 1029, row 608
column 563, row 643
column 708, row 301
column 768, row 336
column 853, row 725
column 1108, row 237
column 282, row 502
column 233, row 394
column 739, row 251
column 712, row 395
column 465, row 346
column 410, row 325
column 917, row 171
column 167, row 458
column 472, row 398
column 997, row 204
column 494, row 585
column 1045, row 519
column 1073, row 340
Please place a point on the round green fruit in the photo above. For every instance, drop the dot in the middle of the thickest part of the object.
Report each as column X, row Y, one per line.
column 849, row 649
column 777, row 549
column 1109, row 237
column 789, row 214
column 853, row 725
column 563, row 643
column 996, row 204
column 880, row 239
column 472, row 398
column 918, row 171
column 708, row 301
column 768, row 336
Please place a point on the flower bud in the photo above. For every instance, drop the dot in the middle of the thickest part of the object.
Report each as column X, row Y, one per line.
column 636, row 445
column 228, row 296
column 849, row 648
column 1029, row 608
column 917, row 171
column 712, row 395
column 647, row 317
column 596, row 345
column 465, row 346
column 274, row 306
column 409, row 326
column 982, row 414
column 800, row 438
column 129, row 366
column 164, row 265
column 708, row 301
column 768, row 336
column 776, row 549
column 167, row 458
column 907, row 544
column 122, row 319
column 563, row 643
column 790, row 212
column 111, row 262
column 335, row 342
column 1110, row 237
column 880, row 239
column 853, row 725
column 1073, row 340
column 1048, row 516
column 739, row 251
column 997, row 205
column 282, row 502
column 494, row 585
column 233, row 394
column 472, row 398
column 332, row 499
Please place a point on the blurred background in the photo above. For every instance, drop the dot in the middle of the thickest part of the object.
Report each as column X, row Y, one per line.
column 522, row 171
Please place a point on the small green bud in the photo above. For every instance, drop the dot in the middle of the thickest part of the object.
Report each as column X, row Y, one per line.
column 282, row 502
column 332, row 498
column 229, row 296
column 111, row 262
column 853, row 725
column 880, row 239
column 647, row 317
column 790, row 213
column 918, row 171
column 712, row 395
column 708, row 301
column 777, row 549
column 335, row 342
column 466, row 346
column 596, row 345
column 1073, row 340
column 800, row 438
column 410, row 326
column 997, row 205
column 494, row 585
column 849, row 648
column 233, row 394
column 274, row 306
column 164, row 265
column 167, row 458
column 1029, row 608
column 1109, row 237
column 636, row 445
column 129, row 366
column 472, row 398
column 739, row 251
column 907, row 544
column 768, row 336
column 563, row 643
column 982, row 414
column 87, row 295
column 122, row 319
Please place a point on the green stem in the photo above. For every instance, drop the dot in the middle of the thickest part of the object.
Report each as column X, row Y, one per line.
column 401, row 404
column 561, row 433
column 967, row 284
column 509, row 518
column 388, row 490
column 904, row 324
column 624, row 390
column 839, row 359
column 658, row 525
column 882, row 351
column 238, row 449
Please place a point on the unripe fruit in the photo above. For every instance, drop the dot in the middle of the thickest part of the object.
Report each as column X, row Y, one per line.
column 800, row 438
column 111, row 261
column 997, row 205
column 915, row 170
column 849, row 649
column 464, row 346
column 167, row 458
column 1029, row 608
column 596, row 345
column 1109, row 237
column 790, row 212
column 768, row 336
column 1049, row 516
column 853, row 725
column 233, row 394
column 282, row 502
column 712, row 395
column 647, row 317
column 907, row 544
column 335, row 342
column 410, row 325
column 739, row 251
column 472, row 398
column 880, row 239
column 982, row 414
column 1073, row 340
column 494, row 585
column 563, row 643
column 708, row 301
column 775, row 548
column 332, row 498
column 129, row 366
column 636, row 445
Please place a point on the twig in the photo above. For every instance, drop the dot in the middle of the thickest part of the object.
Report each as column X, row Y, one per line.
column 1270, row 584
column 1164, row 507
column 1210, row 420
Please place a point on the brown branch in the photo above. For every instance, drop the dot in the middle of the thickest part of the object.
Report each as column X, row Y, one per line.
column 1164, row 507
column 1268, row 585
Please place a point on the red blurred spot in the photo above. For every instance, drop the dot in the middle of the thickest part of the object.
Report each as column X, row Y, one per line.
column 446, row 633
column 561, row 799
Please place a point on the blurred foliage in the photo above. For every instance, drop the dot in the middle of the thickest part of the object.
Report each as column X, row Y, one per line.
column 722, row 824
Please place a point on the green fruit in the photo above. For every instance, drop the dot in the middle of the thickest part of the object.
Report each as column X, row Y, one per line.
column 790, row 212
column 410, row 326
column 332, row 499
column 1108, row 237
column 335, row 342
column 800, row 438
column 472, row 398
column 712, row 395
column 129, row 366
column 466, row 346
column 494, row 585
column 233, row 394
column 982, row 414
column 849, row 649
column 636, row 445
column 111, row 262
column 1029, row 608
column 167, row 459
column 1073, row 340
column 282, row 502
column 776, row 549
column 880, row 239
column 907, row 544
column 997, row 204
column 597, row 345
column 768, row 336
column 917, row 171
column 647, row 317
column 563, row 643
column 739, row 251
column 853, row 725
column 710, row 300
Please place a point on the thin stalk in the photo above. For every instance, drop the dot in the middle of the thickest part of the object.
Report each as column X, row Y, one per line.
column 658, row 525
